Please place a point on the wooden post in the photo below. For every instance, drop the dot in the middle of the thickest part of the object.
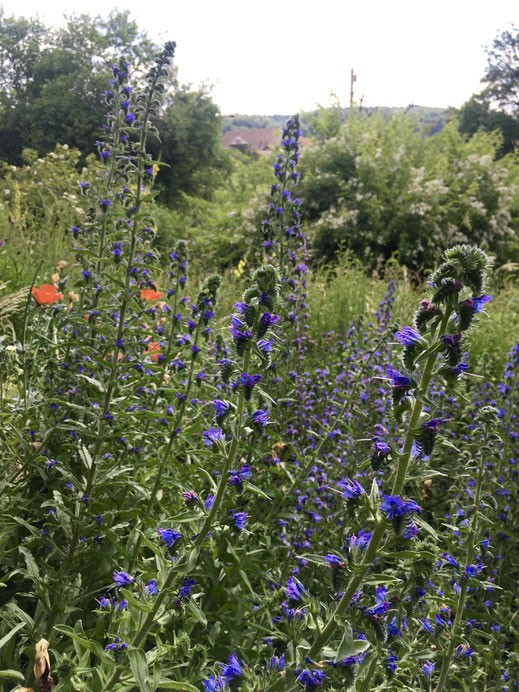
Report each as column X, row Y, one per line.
column 353, row 79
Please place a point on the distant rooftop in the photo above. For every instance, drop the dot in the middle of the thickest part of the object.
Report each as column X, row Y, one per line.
column 264, row 140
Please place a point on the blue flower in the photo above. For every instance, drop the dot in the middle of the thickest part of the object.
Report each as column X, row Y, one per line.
column 151, row 588
column 399, row 381
column 378, row 609
column 394, row 506
column 276, row 663
column 427, row 669
column 478, row 302
column 260, row 417
column 237, row 477
column 221, row 408
column 268, row 320
column 168, row 536
column 408, row 337
column 265, row 345
column 213, row 436
column 352, row 490
column 233, row 670
column 294, row 589
column 213, row 684
column 249, row 381
column 311, row 678
column 122, row 579
column 239, row 519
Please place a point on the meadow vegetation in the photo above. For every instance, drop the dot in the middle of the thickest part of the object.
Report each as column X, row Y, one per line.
column 262, row 434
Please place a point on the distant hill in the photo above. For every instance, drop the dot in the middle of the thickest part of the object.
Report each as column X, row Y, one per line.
column 435, row 118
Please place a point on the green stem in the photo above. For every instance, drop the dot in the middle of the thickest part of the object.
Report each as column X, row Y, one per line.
column 222, row 484
column 365, row 683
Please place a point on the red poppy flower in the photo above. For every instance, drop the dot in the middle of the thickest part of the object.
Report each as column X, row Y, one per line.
column 153, row 350
column 150, row 294
column 46, row 294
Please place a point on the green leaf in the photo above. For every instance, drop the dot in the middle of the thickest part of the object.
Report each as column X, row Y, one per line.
column 92, row 646
column 360, row 646
column 140, row 605
column 172, row 685
column 374, row 494
column 10, row 634
column 11, row 674
column 98, row 385
column 194, row 608
column 139, row 667
column 347, row 646
column 85, row 456
column 424, row 525
column 257, row 490
column 32, row 567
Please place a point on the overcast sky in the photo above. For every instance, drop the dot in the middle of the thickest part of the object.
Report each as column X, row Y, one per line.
column 274, row 56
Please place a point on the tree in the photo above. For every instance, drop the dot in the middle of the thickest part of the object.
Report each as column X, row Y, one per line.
column 502, row 71
column 190, row 133
column 476, row 114
column 51, row 82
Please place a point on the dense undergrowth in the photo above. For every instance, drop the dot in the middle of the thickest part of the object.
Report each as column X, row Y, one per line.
column 307, row 493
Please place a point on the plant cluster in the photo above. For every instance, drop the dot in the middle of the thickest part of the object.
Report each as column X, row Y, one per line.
column 193, row 500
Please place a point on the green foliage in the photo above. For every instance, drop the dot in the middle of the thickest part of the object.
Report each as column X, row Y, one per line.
column 502, row 71
column 51, row 81
column 222, row 229
column 381, row 187
column 39, row 202
column 193, row 161
column 476, row 114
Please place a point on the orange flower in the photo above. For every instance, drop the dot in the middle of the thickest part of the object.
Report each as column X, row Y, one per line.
column 149, row 294
column 46, row 294
column 153, row 350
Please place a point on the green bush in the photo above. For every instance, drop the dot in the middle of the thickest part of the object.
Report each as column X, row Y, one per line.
column 382, row 187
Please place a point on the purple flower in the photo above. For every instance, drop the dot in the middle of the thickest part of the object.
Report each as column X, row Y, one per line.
column 221, row 408
column 233, row 670
column 399, row 381
column 122, row 579
column 427, row 669
column 168, row 536
column 248, row 382
column 241, row 337
column 265, row 345
column 209, row 502
column 352, row 490
column 311, row 678
column 260, row 417
column 380, row 445
column 276, row 663
column 378, row 609
column 151, row 588
column 237, row 477
column 267, row 320
column 239, row 519
column 213, row 436
column 294, row 589
column 394, row 506
column 213, row 684
column 408, row 337
column 478, row 302
column 185, row 589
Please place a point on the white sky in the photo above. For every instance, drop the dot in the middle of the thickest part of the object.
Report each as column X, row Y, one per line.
column 272, row 56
